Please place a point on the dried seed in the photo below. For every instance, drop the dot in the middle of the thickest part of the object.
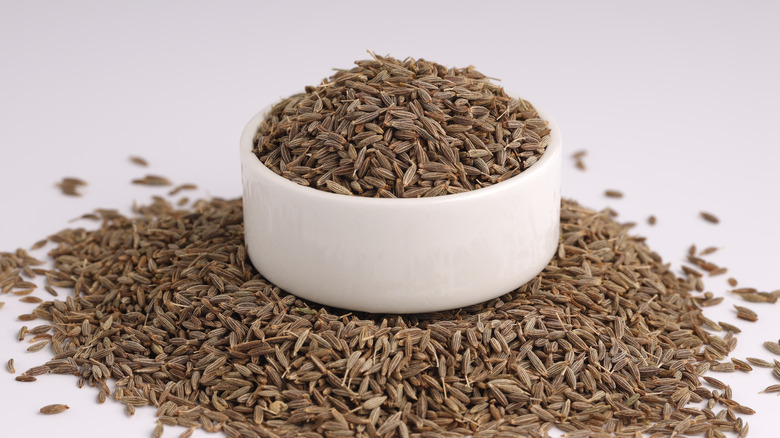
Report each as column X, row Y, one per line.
column 709, row 217
column 181, row 187
column 11, row 368
column 54, row 409
column 153, row 180
column 746, row 314
column 729, row 327
column 759, row 362
column 613, row 194
column 774, row 347
column 38, row 346
column 139, row 161
column 772, row 388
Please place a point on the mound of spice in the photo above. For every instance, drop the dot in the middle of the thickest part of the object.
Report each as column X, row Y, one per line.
column 606, row 340
column 411, row 128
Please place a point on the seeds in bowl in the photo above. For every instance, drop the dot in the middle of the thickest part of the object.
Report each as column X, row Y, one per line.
column 401, row 129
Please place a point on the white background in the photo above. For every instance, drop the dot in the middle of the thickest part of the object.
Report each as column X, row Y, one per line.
column 675, row 102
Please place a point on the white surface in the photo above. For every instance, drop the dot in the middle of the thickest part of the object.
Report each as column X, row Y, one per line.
column 401, row 255
column 676, row 103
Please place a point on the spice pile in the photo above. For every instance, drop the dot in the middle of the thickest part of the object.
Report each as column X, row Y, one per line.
column 166, row 306
column 411, row 128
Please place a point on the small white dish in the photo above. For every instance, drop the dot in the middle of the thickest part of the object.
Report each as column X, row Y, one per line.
column 401, row 255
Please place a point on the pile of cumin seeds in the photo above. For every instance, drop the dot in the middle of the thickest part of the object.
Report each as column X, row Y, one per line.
column 167, row 308
column 401, row 128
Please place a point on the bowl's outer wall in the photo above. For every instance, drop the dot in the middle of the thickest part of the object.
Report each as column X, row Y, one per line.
column 401, row 255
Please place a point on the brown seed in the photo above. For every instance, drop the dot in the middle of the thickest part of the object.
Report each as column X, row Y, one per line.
column 33, row 300
column 725, row 367
column 138, row 161
column 741, row 365
column 774, row 347
column 11, row 368
column 759, row 362
column 708, row 250
column 651, row 220
column 732, row 281
column 38, row 346
column 153, row 180
column 772, row 388
column 709, row 217
column 39, row 244
column 613, row 194
column 181, row 187
column 729, row 327
column 24, row 378
column 54, row 409
column 746, row 314
column 69, row 185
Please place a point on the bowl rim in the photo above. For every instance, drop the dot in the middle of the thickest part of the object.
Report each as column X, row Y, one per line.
column 250, row 162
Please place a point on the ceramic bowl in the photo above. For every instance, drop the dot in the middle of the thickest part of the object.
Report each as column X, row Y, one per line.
column 401, row 255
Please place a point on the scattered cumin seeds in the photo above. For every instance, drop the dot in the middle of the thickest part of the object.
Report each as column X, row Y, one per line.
column 732, row 282
column 138, row 161
column 54, row 409
column 31, row 300
column 759, row 362
column 774, row 347
column 10, row 364
column 613, row 193
column 652, row 220
column 25, row 379
column 50, row 290
column 746, row 314
column 709, row 217
column 153, row 180
column 315, row 359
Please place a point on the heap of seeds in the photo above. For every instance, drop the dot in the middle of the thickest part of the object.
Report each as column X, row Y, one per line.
column 605, row 340
column 411, row 128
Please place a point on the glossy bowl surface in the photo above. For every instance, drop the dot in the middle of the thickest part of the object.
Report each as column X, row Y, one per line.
column 401, row 255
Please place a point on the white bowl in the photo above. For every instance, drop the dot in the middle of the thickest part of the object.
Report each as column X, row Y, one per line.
column 401, row 255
